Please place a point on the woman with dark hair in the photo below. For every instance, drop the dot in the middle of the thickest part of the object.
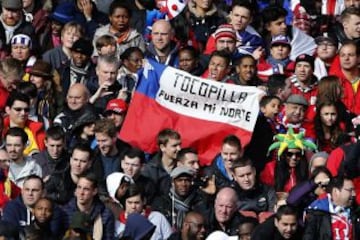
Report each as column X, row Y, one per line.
column 291, row 167
column 302, row 195
column 327, row 126
column 132, row 60
column 119, row 28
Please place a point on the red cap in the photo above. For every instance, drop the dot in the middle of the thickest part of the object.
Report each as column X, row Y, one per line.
column 116, row 105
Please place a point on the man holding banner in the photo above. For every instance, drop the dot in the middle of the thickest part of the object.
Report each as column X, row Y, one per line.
column 203, row 111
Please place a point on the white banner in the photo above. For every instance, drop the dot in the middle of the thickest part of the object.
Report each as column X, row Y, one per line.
column 209, row 100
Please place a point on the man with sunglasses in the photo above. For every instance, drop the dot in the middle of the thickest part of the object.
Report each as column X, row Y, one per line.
column 333, row 217
column 17, row 109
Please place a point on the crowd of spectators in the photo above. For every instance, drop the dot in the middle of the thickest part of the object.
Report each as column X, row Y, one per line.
column 68, row 73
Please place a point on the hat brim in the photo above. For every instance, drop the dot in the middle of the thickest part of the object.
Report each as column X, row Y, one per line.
column 321, row 39
column 113, row 111
column 40, row 74
column 280, row 43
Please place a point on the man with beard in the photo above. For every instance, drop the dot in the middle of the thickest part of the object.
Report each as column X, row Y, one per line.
column 80, row 68
column 333, row 217
column 20, row 166
column 108, row 152
column 181, row 199
column 193, row 228
column 280, row 227
column 12, row 23
column 225, row 41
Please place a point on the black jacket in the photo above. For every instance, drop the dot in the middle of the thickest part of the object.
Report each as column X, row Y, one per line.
column 60, row 187
column 259, row 199
column 156, row 172
column 267, row 230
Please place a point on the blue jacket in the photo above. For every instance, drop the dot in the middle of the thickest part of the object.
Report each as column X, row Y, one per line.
column 107, row 217
column 18, row 215
column 172, row 60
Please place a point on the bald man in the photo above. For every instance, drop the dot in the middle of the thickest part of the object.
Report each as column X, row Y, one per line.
column 193, row 228
column 225, row 216
column 77, row 105
column 161, row 48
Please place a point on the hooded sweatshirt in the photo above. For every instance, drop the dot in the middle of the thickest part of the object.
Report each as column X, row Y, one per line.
column 138, row 226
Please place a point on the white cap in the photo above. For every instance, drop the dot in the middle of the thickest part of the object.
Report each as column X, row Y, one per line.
column 219, row 235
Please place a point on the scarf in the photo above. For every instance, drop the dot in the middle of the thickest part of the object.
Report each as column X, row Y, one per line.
column 181, row 207
column 9, row 30
column 275, row 62
column 78, row 75
column 122, row 37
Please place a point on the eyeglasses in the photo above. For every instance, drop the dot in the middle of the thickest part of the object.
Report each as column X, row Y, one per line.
column 350, row 190
column 291, row 154
column 19, row 109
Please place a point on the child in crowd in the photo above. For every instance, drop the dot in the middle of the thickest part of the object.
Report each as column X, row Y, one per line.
column 270, row 107
column 104, row 46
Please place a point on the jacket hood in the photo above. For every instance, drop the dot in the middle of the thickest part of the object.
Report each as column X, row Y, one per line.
column 113, row 182
column 192, row 9
column 138, row 226
column 86, row 118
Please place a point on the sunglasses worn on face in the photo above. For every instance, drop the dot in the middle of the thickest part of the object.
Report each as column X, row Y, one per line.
column 291, row 154
column 19, row 109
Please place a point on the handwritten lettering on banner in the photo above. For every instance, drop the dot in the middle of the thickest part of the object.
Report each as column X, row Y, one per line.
column 208, row 100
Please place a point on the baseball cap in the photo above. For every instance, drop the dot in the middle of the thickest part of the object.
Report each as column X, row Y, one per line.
column 117, row 106
column 182, row 170
column 305, row 58
column 321, row 39
column 280, row 39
